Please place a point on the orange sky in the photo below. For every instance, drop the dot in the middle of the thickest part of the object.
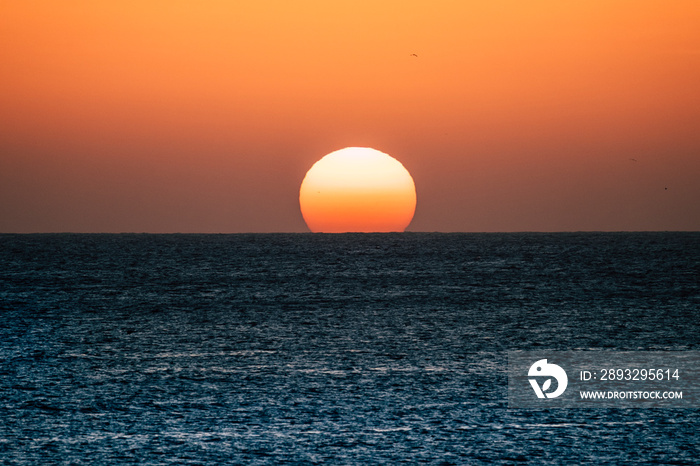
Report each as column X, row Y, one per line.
column 187, row 116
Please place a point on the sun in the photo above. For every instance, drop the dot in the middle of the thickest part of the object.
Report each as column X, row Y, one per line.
column 357, row 189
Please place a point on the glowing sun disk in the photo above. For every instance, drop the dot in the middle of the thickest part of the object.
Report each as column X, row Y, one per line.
column 357, row 189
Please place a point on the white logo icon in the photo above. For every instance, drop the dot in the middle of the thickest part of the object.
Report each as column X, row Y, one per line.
column 542, row 369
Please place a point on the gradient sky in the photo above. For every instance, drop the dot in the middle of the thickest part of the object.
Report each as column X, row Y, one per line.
column 204, row 116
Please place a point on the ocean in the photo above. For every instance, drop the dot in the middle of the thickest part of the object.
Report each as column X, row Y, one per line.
column 339, row 349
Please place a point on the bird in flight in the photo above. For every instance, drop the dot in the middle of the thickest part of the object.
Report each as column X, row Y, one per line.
column 414, row 55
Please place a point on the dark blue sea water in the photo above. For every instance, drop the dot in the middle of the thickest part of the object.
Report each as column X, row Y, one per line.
column 344, row 349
